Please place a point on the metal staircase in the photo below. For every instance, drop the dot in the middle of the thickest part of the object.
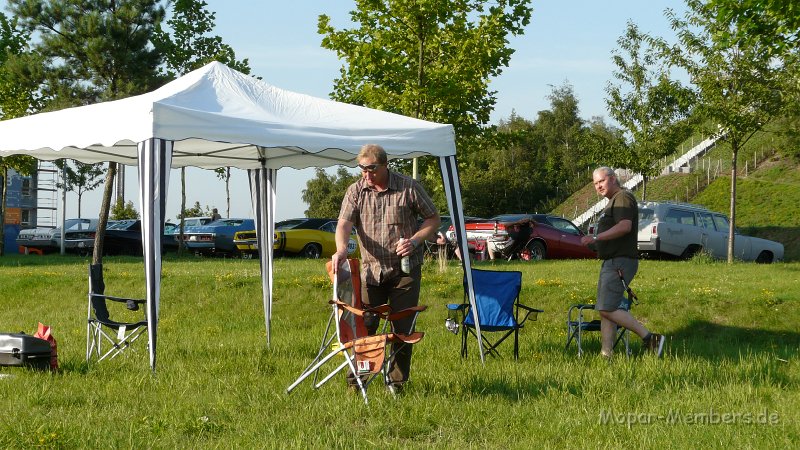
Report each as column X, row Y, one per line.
column 695, row 152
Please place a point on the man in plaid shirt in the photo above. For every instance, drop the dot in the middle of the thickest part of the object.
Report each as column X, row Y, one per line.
column 384, row 207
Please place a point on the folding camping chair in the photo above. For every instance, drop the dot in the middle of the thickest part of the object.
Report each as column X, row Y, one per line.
column 497, row 299
column 365, row 357
column 578, row 321
column 101, row 329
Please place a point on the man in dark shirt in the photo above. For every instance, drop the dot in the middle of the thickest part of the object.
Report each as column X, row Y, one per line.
column 615, row 242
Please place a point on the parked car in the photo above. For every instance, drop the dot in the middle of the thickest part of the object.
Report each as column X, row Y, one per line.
column 681, row 230
column 431, row 244
column 190, row 222
column 124, row 237
column 39, row 239
column 48, row 240
column 216, row 238
column 78, row 237
column 247, row 243
column 310, row 237
column 551, row 237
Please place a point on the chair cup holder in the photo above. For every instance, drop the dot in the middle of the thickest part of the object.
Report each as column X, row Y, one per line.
column 452, row 321
column 451, row 325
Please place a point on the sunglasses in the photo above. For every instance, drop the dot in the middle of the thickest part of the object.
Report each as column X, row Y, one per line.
column 369, row 167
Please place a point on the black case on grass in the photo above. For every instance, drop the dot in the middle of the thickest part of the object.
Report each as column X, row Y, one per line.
column 20, row 349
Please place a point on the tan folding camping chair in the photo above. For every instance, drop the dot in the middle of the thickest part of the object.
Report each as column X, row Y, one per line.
column 365, row 357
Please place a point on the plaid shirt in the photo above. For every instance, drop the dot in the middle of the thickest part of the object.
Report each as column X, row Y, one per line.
column 381, row 219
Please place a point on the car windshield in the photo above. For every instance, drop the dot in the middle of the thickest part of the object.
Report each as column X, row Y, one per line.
column 564, row 225
column 509, row 217
column 77, row 224
column 228, row 222
column 120, row 225
column 288, row 224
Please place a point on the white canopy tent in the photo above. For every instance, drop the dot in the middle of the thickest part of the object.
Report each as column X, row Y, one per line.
column 217, row 117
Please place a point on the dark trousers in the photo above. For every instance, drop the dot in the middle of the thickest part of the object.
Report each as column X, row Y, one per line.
column 400, row 293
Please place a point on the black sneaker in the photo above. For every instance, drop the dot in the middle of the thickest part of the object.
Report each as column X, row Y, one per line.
column 656, row 344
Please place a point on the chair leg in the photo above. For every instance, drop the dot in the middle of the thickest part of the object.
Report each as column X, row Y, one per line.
column 516, row 343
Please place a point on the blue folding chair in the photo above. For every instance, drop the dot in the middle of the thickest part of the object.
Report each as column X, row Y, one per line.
column 499, row 310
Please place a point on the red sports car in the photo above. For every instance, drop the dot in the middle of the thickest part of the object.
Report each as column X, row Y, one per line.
column 547, row 237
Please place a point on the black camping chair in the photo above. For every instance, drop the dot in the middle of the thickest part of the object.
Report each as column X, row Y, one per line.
column 499, row 310
column 579, row 322
column 101, row 329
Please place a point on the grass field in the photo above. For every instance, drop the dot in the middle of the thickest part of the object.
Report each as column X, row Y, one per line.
column 729, row 377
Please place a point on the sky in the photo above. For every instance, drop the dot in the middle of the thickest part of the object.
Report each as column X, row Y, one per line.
column 567, row 41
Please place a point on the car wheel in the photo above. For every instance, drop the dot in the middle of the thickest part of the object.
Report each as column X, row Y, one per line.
column 534, row 251
column 691, row 251
column 764, row 257
column 312, row 251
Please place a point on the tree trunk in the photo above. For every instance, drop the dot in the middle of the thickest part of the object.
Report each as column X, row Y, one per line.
column 181, row 244
column 105, row 207
column 228, row 189
column 644, row 188
column 732, row 223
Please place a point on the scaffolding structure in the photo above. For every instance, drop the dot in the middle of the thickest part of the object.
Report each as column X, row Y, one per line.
column 46, row 195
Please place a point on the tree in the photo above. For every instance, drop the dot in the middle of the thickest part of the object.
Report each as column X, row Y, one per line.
column 189, row 47
column 557, row 133
column 738, row 80
column 774, row 23
column 429, row 59
column 16, row 99
column 324, row 193
column 90, row 51
column 194, row 211
column 504, row 177
column 123, row 211
column 80, row 179
column 224, row 174
column 652, row 109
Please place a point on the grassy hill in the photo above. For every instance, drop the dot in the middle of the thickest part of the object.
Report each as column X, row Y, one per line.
column 768, row 191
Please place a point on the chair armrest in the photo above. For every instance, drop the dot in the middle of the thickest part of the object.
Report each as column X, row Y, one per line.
column 414, row 310
column 139, row 301
column 457, row 306
column 530, row 311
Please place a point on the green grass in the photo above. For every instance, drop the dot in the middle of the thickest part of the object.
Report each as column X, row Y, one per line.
column 732, row 351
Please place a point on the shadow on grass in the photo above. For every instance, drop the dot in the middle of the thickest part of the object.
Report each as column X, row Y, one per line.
column 715, row 342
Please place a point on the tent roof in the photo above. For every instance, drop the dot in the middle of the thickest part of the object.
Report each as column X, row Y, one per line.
column 220, row 117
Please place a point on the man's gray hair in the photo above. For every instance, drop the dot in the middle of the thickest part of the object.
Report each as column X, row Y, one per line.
column 607, row 171
column 375, row 151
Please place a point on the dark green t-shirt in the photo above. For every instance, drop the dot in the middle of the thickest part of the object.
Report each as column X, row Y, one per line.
column 621, row 206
